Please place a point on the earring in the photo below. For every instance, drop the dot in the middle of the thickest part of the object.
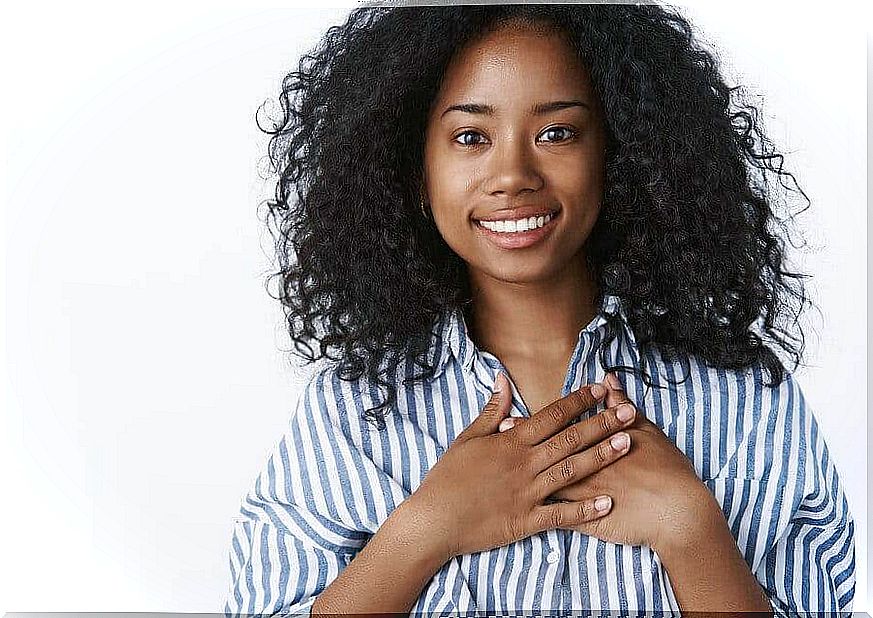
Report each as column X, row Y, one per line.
column 423, row 207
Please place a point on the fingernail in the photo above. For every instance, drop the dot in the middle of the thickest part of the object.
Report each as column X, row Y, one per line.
column 598, row 391
column 498, row 383
column 619, row 441
column 507, row 423
column 613, row 381
column 625, row 412
column 603, row 503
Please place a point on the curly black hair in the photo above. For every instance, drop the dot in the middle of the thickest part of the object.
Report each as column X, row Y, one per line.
column 687, row 235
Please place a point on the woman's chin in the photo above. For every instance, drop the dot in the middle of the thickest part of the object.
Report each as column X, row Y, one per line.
column 517, row 272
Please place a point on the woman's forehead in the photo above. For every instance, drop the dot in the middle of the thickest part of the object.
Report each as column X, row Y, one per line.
column 513, row 65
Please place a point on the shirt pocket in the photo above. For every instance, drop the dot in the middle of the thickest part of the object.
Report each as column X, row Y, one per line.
column 753, row 510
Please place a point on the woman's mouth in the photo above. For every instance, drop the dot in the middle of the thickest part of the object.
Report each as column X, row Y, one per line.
column 518, row 233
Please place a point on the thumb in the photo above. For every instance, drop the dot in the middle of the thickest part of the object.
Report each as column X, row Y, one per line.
column 615, row 393
column 495, row 409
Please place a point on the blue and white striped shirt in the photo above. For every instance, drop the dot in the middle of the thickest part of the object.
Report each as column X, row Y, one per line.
column 333, row 479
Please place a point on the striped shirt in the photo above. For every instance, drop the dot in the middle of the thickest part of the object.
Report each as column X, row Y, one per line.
column 333, row 478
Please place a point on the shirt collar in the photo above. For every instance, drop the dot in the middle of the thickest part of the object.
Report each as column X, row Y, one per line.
column 455, row 339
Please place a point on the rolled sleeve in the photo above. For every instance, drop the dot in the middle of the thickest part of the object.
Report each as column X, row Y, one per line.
column 297, row 529
column 274, row 573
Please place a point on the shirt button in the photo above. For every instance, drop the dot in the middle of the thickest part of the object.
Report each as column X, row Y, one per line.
column 552, row 558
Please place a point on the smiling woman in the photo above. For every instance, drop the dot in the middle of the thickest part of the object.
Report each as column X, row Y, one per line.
column 536, row 148
column 525, row 202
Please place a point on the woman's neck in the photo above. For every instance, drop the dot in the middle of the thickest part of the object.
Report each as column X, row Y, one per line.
column 532, row 320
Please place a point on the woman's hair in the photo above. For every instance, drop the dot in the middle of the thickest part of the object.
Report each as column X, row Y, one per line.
column 684, row 235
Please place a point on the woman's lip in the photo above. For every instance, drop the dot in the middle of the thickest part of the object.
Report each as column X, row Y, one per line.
column 517, row 240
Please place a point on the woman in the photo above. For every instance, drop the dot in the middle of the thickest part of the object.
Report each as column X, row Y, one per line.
column 552, row 211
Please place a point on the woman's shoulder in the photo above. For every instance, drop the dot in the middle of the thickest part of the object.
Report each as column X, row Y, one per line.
column 690, row 377
column 735, row 421
column 329, row 398
column 327, row 394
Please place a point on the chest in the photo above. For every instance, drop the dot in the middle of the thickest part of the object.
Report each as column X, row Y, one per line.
column 537, row 384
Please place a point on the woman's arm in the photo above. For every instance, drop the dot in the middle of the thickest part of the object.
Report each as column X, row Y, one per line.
column 389, row 573
column 707, row 570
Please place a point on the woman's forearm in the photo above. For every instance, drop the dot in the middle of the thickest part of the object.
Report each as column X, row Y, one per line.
column 389, row 573
column 708, row 573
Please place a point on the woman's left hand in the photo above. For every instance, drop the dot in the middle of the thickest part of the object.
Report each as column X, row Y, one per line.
column 657, row 498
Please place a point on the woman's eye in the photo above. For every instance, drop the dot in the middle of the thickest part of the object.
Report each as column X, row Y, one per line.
column 552, row 134
column 460, row 138
column 563, row 133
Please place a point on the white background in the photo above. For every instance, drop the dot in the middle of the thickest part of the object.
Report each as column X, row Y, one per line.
column 144, row 381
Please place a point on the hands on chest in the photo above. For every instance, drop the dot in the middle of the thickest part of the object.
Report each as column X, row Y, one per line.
column 657, row 497
column 614, row 476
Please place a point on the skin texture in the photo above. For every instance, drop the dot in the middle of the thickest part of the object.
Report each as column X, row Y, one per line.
column 528, row 304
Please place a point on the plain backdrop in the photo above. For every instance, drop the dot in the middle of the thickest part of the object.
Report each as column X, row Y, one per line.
column 144, row 378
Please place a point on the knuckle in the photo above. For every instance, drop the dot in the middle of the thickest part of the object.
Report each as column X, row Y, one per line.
column 557, row 516
column 567, row 469
column 571, row 437
column 602, row 453
column 586, row 510
column 604, row 422
column 554, row 445
column 542, row 519
column 551, row 480
column 584, row 398
column 576, row 399
column 514, row 528
column 557, row 412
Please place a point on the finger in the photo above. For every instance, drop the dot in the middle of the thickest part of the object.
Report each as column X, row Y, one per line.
column 616, row 395
column 583, row 435
column 615, row 391
column 558, row 414
column 582, row 465
column 568, row 514
column 495, row 410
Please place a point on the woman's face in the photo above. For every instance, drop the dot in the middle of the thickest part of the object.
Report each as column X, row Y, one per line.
column 515, row 132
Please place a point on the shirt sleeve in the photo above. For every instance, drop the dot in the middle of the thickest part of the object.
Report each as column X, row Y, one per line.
column 810, row 568
column 294, row 533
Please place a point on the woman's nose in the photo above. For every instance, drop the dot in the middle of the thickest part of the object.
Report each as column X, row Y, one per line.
column 513, row 168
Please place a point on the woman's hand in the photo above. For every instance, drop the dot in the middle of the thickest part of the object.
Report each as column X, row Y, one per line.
column 489, row 488
column 658, row 499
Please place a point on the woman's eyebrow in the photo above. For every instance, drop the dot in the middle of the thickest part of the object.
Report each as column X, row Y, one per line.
column 537, row 110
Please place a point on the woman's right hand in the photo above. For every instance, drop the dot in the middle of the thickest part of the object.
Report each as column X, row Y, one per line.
column 490, row 488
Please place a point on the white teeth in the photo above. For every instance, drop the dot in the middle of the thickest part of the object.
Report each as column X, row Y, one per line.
column 517, row 225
